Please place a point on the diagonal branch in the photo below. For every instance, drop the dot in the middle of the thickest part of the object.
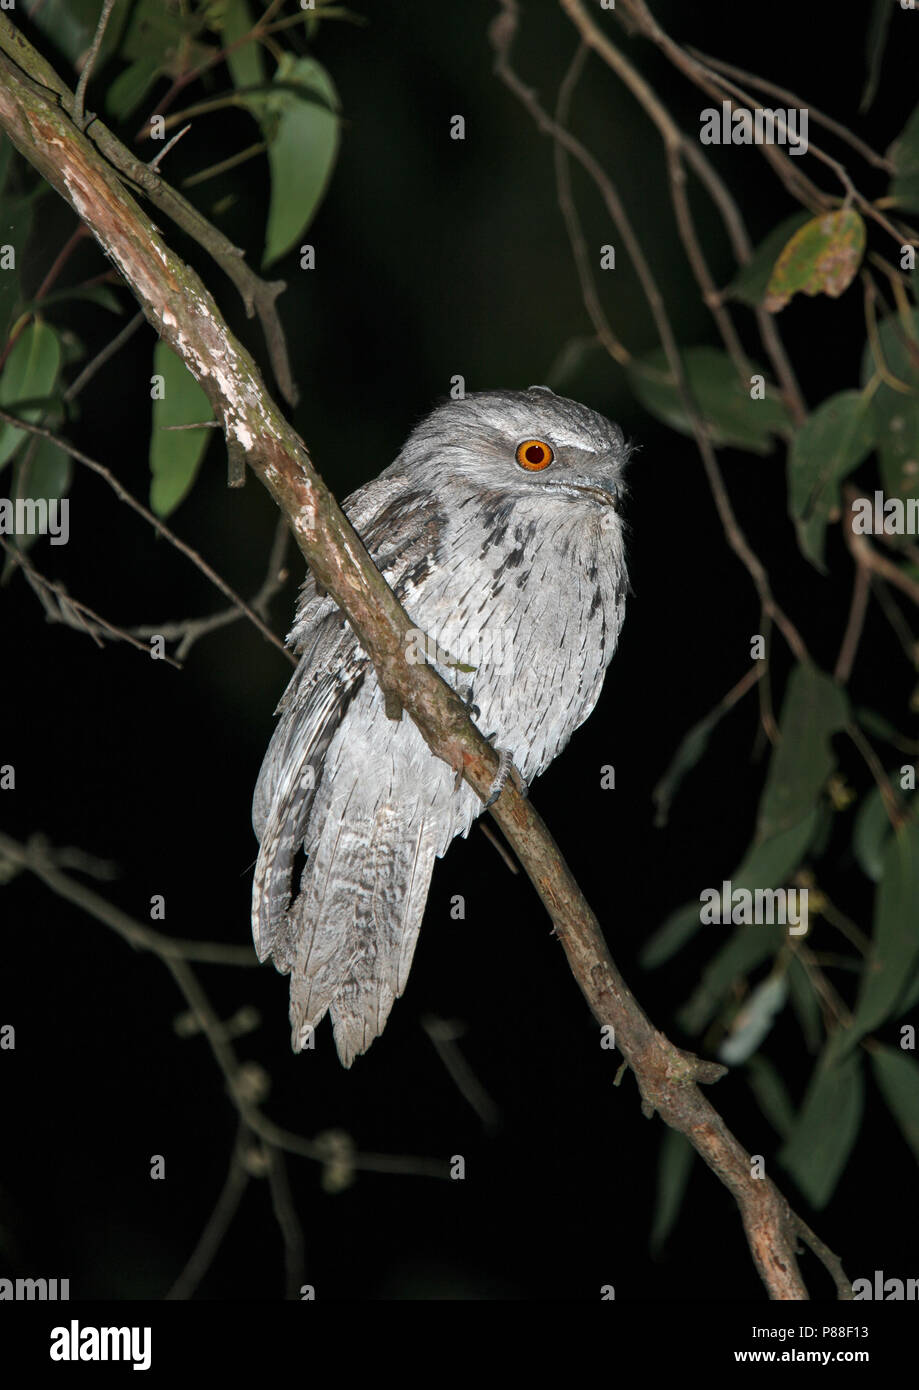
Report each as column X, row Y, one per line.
column 180, row 308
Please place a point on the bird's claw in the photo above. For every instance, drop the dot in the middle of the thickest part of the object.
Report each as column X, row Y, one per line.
column 505, row 764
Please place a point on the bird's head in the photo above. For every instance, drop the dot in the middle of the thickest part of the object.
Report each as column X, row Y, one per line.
column 521, row 445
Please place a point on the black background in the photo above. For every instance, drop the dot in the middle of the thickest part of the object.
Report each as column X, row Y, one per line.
column 434, row 257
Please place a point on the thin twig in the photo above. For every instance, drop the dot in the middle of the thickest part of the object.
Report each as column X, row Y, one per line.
column 501, row 33
column 157, row 159
column 103, row 355
column 616, row 349
column 865, row 554
column 90, row 63
column 285, row 1214
column 901, row 628
column 861, row 587
column 896, row 812
column 504, row 853
column 176, row 956
column 187, row 631
column 867, row 153
column 219, row 1222
column 444, row 1037
column 832, row 1263
column 62, row 607
column 158, row 525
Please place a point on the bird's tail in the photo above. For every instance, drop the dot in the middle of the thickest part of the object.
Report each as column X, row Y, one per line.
column 356, row 923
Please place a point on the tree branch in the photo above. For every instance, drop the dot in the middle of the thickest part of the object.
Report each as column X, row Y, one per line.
column 177, row 304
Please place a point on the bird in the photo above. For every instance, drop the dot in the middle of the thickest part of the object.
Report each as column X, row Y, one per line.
column 499, row 528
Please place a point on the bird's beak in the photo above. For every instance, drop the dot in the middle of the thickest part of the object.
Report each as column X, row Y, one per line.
column 605, row 493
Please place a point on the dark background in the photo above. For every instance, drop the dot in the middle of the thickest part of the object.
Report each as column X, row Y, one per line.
column 434, row 257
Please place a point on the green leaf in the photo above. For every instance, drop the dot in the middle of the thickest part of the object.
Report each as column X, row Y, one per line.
column 673, row 1169
column 302, row 146
column 895, row 942
column 675, row 931
column 753, row 1021
column 71, row 24
column 42, row 470
column 745, row 949
column 815, row 708
column 871, row 833
column 160, row 39
column 102, row 295
column 723, row 400
column 904, row 152
column 691, row 748
column 749, row 285
column 175, row 456
column 910, row 996
column 806, row 1005
column 896, row 412
column 30, row 373
column 165, row 33
column 16, row 215
column 897, row 1076
column 767, row 865
column 130, row 87
column 832, row 442
column 826, row 1128
column 45, row 471
column 771, row 862
column 772, row 1095
column 822, row 257
column 246, row 64
column 876, row 724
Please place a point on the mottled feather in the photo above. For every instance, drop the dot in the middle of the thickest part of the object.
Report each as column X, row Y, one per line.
column 518, row 574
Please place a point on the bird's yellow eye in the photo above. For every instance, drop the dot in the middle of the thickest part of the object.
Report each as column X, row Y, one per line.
column 534, row 454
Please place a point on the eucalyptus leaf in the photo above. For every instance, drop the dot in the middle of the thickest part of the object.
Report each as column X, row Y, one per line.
column 904, row 152
column 830, row 444
column 16, row 214
column 246, row 63
column 732, row 415
column 175, row 455
column 822, row 257
column 896, row 412
column 691, row 748
column 814, row 709
column 897, row 1076
column 895, row 941
column 821, row 1140
column 675, row 931
column 745, row 949
column 771, row 1093
column 754, row 1020
column 806, row 1005
column 42, row 470
column 71, row 24
column 302, row 129
column 673, row 1168
column 28, row 375
column 749, row 285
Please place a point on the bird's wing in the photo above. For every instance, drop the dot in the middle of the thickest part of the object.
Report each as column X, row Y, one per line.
column 400, row 531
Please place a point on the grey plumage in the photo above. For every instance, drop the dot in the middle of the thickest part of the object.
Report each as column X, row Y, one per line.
column 518, row 573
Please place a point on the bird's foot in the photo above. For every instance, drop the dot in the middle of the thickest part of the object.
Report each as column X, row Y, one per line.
column 505, row 766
